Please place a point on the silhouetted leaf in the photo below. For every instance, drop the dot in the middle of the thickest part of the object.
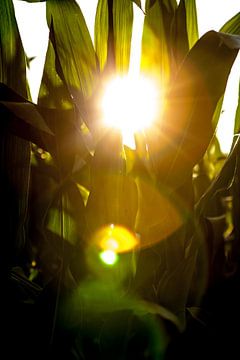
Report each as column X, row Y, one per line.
column 14, row 152
column 184, row 132
column 138, row 3
column 113, row 195
column 223, row 181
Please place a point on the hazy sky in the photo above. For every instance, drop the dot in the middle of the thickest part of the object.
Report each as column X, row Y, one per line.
column 212, row 14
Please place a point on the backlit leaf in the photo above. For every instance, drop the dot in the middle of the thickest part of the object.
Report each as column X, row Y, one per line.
column 237, row 115
column 122, row 23
column 232, row 26
column 156, row 40
column 73, row 47
column 186, row 129
column 101, row 32
column 192, row 23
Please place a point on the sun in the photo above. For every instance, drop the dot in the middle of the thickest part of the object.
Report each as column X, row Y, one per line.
column 130, row 104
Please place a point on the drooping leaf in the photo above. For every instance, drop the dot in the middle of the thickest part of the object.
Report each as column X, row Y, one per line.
column 77, row 64
column 185, row 129
column 232, row 26
column 223, row 181
column 22, row 118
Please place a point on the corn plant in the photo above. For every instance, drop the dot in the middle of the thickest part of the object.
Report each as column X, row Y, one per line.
column 65, row 177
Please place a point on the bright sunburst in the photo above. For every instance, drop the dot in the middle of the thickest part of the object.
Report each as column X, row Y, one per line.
column 130, row 104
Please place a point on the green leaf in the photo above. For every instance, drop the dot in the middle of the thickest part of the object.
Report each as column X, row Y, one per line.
column 122, row 23
column 184, row 132
column 155, row 56
column 66, row 216
column 73, row 47
column 192, row 23
column 120, row 41
column 12, row 60
column 101, row 32
column 237, row 115
column 185, row 29
column 181, row 44
column 53, row 92
column 232, row 26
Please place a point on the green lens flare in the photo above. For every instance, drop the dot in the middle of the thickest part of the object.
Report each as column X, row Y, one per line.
column 109, row 257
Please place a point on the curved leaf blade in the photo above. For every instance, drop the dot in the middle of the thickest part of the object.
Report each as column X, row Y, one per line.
column 232, row 26
column 73, row 46
column 186, row 128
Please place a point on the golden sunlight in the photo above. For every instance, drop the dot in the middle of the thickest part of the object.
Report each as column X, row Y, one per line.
column 108, row 257
column 130, row 104
column 115, row 238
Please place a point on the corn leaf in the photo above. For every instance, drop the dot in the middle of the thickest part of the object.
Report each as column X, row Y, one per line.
column 223, row 181
column 157, row 39
column 66, row 216
column 186, row 126
column 77, row 64
column 14, row 152
column 113, row 195
column 232, row 26
column 237, row 115
column 138, row 3
column 192, row 23
column 12, row 60
column 101, row 32
column 122, row 23
column 113, row 32
column 53, row 92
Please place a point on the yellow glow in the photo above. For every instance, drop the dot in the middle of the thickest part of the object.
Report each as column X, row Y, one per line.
column 130, row 104
column 109, row 257
column 115, row 238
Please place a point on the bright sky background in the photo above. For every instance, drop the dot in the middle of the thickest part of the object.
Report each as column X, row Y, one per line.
column 212, row 14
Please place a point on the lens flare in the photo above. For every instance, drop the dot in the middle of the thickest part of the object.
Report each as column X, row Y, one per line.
column 130, row 104
column 115, row 238
column 108, row 257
